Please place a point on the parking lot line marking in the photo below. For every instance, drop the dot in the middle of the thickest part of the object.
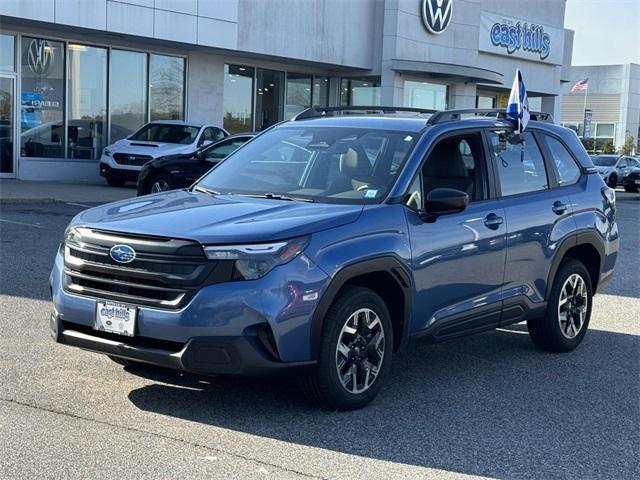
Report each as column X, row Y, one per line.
column 78, row 204
column 22, row 223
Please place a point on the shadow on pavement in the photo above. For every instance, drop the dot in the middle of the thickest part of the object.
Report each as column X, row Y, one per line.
column 488, row 405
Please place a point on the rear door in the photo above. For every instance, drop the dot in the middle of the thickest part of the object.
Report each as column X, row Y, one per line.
column 457, row 259
column 538, row 219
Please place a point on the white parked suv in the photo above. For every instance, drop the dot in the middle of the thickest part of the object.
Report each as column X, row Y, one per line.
column 121, row 161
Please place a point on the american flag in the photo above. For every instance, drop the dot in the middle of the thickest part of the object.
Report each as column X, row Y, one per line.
column 581, row 86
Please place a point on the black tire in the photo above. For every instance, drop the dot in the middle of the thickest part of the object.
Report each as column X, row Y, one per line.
column 631, row 189
column 546, row 332
column 613, row 181
column 114, row 180
column 323, row 386
column 160, row 178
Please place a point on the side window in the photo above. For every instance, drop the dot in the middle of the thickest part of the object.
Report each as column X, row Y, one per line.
column 225, row 148
column 566, row 167
column 457, row 162
column 520, row 171
column 217, row 134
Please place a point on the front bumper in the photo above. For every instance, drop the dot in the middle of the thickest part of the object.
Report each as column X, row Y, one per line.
column 242, row 355
column 241, row 327
column 126, row 174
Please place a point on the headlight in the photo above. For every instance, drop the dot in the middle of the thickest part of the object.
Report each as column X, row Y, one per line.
column 106, row 152
column 71, row 233
column 256, row 260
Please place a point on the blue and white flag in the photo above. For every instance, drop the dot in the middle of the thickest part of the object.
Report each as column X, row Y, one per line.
column 518, row 107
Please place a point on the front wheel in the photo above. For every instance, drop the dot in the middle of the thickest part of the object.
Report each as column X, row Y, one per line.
column 161, row 182
column 355, row 351
column 114, row 179
column 613, row 181
column 568, row 310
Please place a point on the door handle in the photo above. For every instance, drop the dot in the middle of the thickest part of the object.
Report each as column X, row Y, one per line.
column 493, row 221
column 559, row 208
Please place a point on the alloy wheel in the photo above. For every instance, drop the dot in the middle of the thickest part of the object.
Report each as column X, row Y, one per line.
column 360, row 351
column 572, row 306
column 160, row 185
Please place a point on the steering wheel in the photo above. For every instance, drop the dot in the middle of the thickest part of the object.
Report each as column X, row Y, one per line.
column 363, row 187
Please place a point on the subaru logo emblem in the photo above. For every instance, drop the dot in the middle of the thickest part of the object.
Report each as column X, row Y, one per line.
column 131, row 157
column 436, row 15
column 122, row 253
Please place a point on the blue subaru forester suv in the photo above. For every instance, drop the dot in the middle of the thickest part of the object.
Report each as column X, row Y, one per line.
column 327, row 242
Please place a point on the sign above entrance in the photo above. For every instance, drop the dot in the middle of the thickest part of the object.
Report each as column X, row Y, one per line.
column 520, row 38
column 436, row 15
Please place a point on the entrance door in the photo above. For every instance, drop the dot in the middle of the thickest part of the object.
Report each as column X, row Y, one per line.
column 269, row 98
column 7, row 126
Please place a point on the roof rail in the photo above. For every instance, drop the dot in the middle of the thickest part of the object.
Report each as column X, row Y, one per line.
column 317, row 111
column 449, row 115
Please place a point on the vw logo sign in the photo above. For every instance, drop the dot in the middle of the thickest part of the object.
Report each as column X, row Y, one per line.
column 122, row 253
column 39, row 56
column 436, row 15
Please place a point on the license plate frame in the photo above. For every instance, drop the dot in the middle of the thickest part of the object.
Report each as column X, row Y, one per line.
column 117, row 318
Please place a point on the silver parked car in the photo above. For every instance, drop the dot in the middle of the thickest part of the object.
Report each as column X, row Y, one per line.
column 121, row 161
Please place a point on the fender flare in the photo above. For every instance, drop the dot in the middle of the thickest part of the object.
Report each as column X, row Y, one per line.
column 581, row 238
column 388, row 264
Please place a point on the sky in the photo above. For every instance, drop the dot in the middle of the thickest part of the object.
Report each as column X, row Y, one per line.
column 607, row 32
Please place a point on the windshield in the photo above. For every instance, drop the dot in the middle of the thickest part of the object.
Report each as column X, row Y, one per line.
column 166, row 133
column 604, row 161
column 325, row 164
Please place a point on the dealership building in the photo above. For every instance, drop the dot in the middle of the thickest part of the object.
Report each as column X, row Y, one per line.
column 611, row 98
column 77, row 75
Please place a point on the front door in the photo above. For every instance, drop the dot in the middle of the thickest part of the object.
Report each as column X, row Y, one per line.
column 457, row 259
column 7, row 126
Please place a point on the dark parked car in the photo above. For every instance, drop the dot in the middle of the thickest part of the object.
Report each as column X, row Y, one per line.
column 327, row 243
column 181, row 170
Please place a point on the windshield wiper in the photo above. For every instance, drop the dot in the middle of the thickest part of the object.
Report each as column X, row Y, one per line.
column 205, row 190
column 274, row 196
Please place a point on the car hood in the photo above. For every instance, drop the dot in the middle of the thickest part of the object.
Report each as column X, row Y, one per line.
column 603, row 169
column 154, row 149
column 216, row 219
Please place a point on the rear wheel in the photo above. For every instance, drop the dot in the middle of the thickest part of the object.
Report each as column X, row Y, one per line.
column 568, row 310
column 114, row 179
column 355, row 351
column 613, row 181
column 161, row 182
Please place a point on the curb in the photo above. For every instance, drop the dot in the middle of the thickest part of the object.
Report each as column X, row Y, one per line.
column 27, row 201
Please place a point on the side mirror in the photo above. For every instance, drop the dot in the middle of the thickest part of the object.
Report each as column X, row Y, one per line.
column 443, row 201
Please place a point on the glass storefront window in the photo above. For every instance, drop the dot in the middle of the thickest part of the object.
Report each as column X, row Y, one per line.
column 298, row 94
column 166, row 87
column 269, row 97
column 42, row 99
column 321, row 91
column 425, row 95
column 360, row 91
column 128, row 93
column 237, row 103
column 605, row 130
column 87, row 102
column 483, row 101
column 7, row 53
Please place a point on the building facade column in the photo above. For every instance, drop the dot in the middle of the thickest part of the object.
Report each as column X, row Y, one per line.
column 462, row 95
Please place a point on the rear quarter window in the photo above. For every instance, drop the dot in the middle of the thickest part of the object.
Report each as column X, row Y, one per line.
column 567, row 170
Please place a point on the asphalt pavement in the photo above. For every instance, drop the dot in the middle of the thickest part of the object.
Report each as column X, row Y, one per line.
column 490, row 405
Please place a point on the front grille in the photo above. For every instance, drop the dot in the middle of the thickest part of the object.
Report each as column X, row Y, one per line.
column 166, row 273
column 129, row 159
